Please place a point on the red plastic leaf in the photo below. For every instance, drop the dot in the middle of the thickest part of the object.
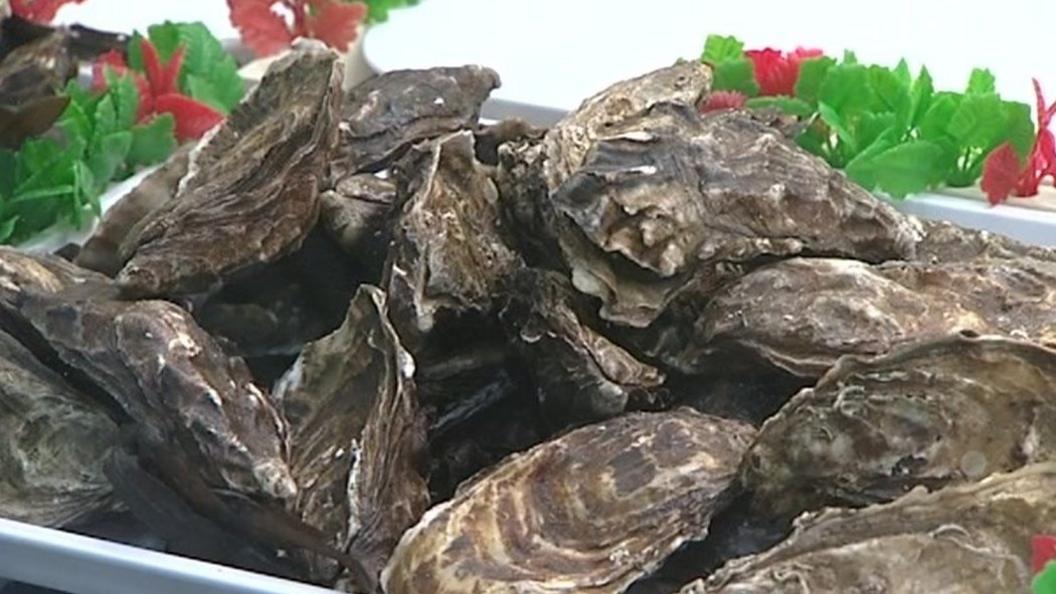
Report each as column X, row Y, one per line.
column 775, row 72
column 112, row 60
column 170, row 74
column 39, row 11
column 724, row 100
column 1043, row 550
column 263, row 30
column 1000, row 173
column 153, row 66
column 334, row 22
column 193, row 119
column 146, row 97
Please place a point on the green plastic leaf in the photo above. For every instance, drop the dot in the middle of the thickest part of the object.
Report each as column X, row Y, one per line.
column 862, row 168
column 923, row 89
column 107, row 156
column 1019, row 128
column 152, row 142
column 902, row 73
column 789, row 105
column 935, row 121
column 125, row 97
column 811, row 74
column 850, row 57
column 166, row 37
column 378, row 10
column 979, row 121
column 846, row 89
column 75, row 123
column 890, row 93
column 1045, row 581
column 41, row 193
column 872, row 126
column 981, row 82
column 831, row 117
column 105, row 118
column 720, row 48
column 736, row 75
column 134, row 52
column 7, row 228
column 8, row 169
column 907, row 168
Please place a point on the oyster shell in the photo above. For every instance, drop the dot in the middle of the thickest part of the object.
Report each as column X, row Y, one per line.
column 802, row 314
column 579, row 371
column 669, row 200
column 970, row 538
column 358, row 438
column 251, row 195
column 946, row 411
column 588, row 512
column 449, row 254
column 383, row 116
column 36, row 70
column 53, row 442
column 122, row 223
column 356, row 212
column 172, row 378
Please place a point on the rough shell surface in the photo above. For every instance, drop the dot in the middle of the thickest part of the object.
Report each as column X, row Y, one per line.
column 356, row 212
column 53, row 442
column 588, row 512
column 383, row 116
column 121, row 223
column 802, row 314
column 669, row 200
column 449, row 254
column 174, row 380
column 580, row 372
column 965, row 540
column 358, row 437
column 932, row 413
column 251, row 194
column 36, row 70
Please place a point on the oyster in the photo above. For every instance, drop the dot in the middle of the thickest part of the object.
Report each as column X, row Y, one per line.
column 172, row 378
column 383, row 116
column 578, row 370
column 358, row 438
column 36, row 70
column 53, row 442
column 951, row 410
column 449, row 254
column 970, row 538
column 251, row 195
column 122, row 222
column 588, row 512
column 668, row 200
column 802, row 314
column 356, row 212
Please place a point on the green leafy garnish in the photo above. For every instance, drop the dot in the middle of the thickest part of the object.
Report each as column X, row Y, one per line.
column 378, row 10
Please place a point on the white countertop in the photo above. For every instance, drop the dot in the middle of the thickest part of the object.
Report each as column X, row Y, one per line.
column 551, row 54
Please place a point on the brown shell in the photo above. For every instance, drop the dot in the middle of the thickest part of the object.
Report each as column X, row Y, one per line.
column 946, row 411
column 358, row 438
column 53, row 443
column 801, row 315
column 588, row 512
column 449, row 254
column 36, row 70
column 251, row 194
column 968, row 539
column 669, row 200
column 579, row 371
column 383, row 116
column 21, row 272
column 356, row 212
column 174, row 380
column 122, row 223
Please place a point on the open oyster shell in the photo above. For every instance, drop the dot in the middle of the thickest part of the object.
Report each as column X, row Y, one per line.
column 53, row 442
column 449, row 254
column 356, row 214
column 383, row 116
column 966, row 539
column 588, row 512
column 945, row 411
column 251, row 193
column 358, row 437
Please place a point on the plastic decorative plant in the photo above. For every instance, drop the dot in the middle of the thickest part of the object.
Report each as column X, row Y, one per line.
column 888, row 130
column 265, row 31
column 1043, row 548
column 174, row 86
